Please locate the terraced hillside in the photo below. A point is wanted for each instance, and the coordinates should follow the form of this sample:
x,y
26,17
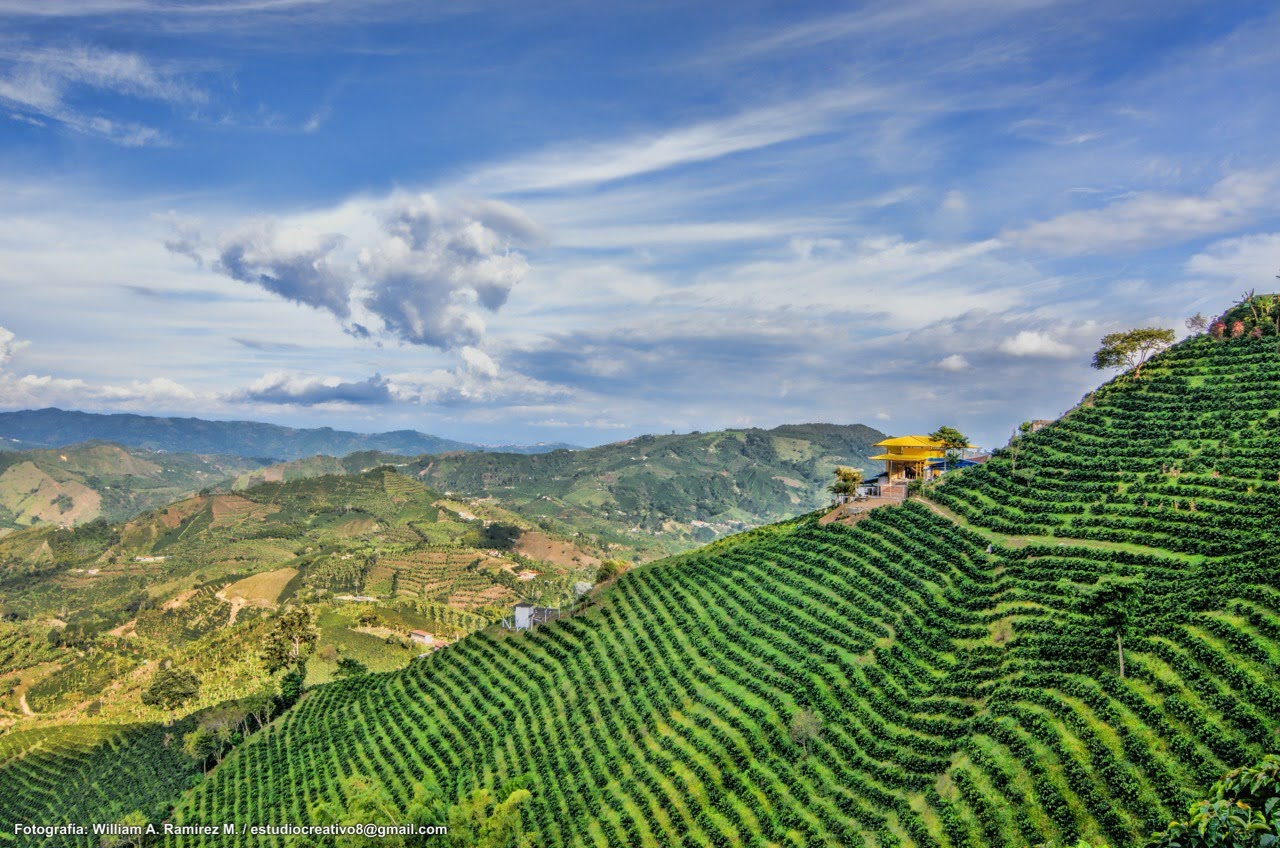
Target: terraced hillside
x,y
1187,458
961,655
966,681
72,774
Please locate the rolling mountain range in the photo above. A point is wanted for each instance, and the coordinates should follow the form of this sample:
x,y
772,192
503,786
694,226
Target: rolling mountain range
x,y
48,428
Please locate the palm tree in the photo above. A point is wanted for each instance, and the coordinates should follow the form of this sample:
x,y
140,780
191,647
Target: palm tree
x,y
847,481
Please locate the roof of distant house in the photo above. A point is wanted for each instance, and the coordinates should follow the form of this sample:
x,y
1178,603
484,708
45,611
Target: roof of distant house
x,y
909,442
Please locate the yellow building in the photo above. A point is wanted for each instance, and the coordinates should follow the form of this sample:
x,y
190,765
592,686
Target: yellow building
x,y
906,457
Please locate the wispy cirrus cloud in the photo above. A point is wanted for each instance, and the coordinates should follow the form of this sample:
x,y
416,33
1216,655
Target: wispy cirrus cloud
x,y
45,84
572,166
1250,260
1147,219
920,20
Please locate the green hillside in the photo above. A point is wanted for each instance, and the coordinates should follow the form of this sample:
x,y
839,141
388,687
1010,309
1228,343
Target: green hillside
x,y
956,661
316,466
86,611
79,483
665,493
968,696
85,764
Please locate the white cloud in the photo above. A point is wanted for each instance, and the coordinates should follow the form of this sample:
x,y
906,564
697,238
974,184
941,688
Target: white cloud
x,y
281,387
34,390
955,203
1035,343
905,284
578,165
478,362
914,20
42,82
406,266
1148,219
478,382
1252,260
9,345
954,362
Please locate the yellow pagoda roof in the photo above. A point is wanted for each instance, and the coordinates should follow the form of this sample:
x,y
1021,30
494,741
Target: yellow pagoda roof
x,y
901,457
908,442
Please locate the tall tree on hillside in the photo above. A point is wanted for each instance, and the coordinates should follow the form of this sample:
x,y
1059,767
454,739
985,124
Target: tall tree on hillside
x,y
953,442
847,481
1015,445
1247,300
1131,349
1273,312
170,688
805,728
1114,605
1197,324
291,640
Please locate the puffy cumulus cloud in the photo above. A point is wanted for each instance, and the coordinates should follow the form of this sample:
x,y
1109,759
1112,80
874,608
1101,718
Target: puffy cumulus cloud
x,y
9,345
954,362
283,388
406,266
1147,219
296,263
478,362
35,390
1035,343
478,381
430,269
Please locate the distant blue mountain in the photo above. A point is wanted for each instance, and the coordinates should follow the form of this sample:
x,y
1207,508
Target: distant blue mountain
x,y
46,428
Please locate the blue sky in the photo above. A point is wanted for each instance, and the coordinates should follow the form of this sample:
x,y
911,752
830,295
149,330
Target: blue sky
x,y
582,221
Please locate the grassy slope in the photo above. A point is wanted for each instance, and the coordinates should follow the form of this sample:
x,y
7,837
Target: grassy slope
x,y
965,700
86,765
82,482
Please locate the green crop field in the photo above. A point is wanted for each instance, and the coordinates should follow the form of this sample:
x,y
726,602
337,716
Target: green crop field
x,y
94,773
965,683
967,697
